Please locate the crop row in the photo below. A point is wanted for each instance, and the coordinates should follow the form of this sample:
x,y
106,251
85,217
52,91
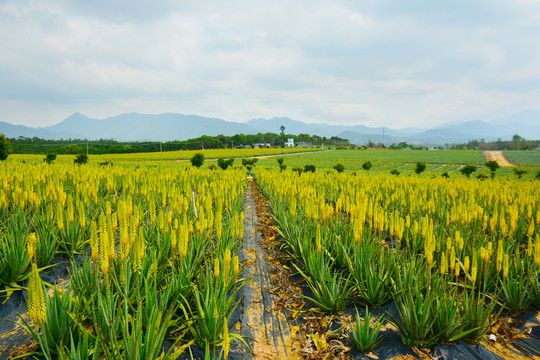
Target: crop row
x,y
447,252
170,155
153,252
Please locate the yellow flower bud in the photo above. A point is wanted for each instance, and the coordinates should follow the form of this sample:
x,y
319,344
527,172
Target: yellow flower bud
x,y
236,266
31,246
36,298
505,266
226,339
466,265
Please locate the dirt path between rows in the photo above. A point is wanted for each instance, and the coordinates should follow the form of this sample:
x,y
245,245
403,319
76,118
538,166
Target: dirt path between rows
x,y
269,329
499,157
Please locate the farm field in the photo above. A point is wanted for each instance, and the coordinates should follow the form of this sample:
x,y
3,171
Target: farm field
x,y
149,255
454,259
384,161
172,155
523,157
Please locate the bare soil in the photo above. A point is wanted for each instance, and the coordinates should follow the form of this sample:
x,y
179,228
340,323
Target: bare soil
x,y
499,157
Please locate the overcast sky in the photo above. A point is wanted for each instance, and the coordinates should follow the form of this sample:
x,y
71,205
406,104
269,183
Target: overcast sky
x,y
377,63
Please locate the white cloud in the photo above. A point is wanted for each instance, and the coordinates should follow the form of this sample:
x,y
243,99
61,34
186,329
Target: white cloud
x,y
382,64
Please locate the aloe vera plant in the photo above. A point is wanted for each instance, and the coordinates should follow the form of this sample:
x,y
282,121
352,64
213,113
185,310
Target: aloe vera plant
x,y
417,316
477,315
61,327
517,286
330,290
47,243
213,304
372,269
362,336
14,259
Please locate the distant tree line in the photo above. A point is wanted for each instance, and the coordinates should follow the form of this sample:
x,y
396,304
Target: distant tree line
x,y
35,145
517,143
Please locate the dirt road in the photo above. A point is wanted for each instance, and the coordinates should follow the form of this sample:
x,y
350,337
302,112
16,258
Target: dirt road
x,y
499,157
261,156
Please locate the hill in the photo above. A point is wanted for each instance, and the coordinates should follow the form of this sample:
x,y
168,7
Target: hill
x,y
171,126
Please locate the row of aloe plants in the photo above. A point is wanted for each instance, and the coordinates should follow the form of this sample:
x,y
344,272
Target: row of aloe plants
x,y
151,269
446,286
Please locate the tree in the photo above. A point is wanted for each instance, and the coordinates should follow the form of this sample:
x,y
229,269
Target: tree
x,y
367,165
519,172
249,163
515,139
280,162
420,167
395,172
224,163
70,149
81,159
5,147
467,170
309,168
492,166
197,160
339,168
282,130
246,162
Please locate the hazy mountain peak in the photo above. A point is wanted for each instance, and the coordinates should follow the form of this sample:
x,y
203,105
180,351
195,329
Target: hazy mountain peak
x,y
173,126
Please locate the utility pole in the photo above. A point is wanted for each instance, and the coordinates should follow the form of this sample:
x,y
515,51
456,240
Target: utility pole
x,y
202,145
160,148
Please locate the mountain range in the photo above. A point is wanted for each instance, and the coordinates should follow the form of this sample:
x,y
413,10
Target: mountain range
x,y
170,126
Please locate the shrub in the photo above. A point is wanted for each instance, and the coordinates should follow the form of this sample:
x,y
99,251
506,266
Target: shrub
x,y
420,167
280,162
339,168
367,165
106,163
519,172
197,160
394,172
224,163
467,170
49,158
5,148
249,163
81,159
309,168
492,166
480,176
